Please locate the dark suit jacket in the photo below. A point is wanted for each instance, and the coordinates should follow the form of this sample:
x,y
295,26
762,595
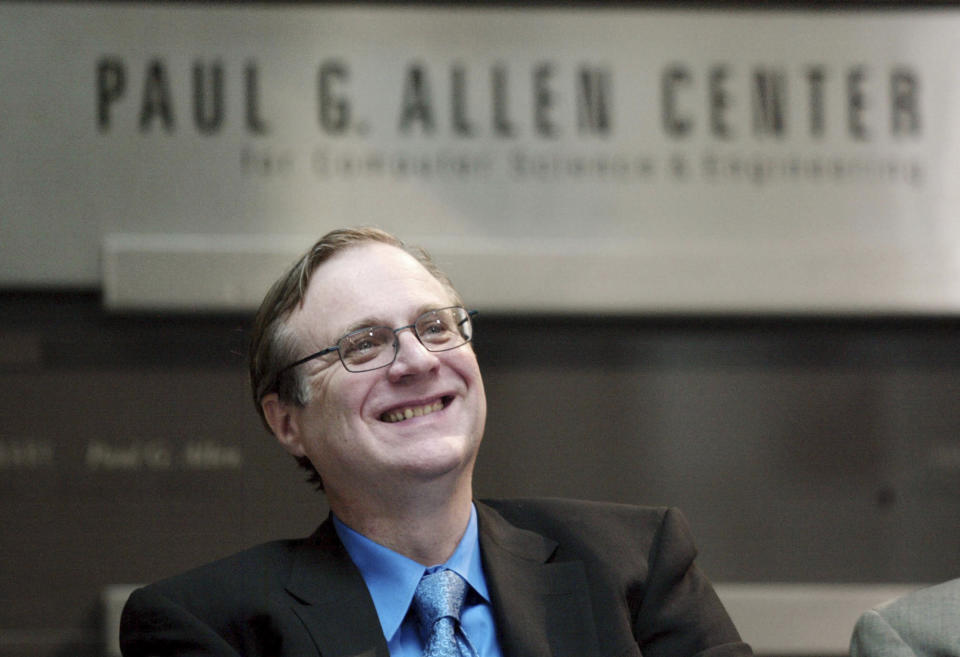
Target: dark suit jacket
x,y
567,579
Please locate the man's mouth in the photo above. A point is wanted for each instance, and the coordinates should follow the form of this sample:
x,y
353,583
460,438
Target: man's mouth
x,y
407,412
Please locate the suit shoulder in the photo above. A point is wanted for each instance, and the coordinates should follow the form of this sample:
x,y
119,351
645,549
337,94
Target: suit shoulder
x,y
922,616
231,606
555,510
260,566
597,529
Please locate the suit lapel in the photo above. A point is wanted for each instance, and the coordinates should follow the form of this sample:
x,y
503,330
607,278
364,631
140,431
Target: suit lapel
x,y
542,609
330,598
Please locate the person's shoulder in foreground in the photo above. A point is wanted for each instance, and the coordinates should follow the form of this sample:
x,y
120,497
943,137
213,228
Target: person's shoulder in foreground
x,y
567,577
925,623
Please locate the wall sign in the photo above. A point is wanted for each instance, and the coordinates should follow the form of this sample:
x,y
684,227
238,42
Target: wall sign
x,y
608,160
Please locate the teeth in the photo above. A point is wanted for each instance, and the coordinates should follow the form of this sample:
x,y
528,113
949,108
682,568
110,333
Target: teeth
x,y
414,411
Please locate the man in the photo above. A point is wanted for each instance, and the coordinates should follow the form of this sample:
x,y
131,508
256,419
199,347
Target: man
x,y
925,623
361,367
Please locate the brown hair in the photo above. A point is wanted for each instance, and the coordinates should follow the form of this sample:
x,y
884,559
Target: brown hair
x,y
272,343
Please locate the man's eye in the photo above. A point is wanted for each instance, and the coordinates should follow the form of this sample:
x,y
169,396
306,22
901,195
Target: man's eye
x,y
363,346
436,332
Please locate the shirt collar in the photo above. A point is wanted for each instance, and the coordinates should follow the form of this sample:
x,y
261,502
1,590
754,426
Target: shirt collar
x,y
392,578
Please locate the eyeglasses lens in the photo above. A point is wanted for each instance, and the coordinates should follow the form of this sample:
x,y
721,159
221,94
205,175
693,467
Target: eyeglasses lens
x,y
443,329
367,349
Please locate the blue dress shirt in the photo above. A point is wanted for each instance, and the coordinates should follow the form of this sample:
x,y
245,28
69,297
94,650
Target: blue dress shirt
x,y
392,579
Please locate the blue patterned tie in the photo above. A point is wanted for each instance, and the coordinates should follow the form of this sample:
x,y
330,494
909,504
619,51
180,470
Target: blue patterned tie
x,y
437,603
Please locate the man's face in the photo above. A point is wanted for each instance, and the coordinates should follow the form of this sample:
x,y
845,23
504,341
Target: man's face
x,y
345,429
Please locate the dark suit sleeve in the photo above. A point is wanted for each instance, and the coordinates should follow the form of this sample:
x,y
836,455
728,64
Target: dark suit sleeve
x,y
680,614
152,625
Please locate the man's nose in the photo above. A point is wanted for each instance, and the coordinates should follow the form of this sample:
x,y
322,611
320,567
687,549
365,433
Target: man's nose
x,y
412,356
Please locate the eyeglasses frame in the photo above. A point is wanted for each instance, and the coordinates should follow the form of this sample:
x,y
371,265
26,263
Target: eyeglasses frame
x,y
396,342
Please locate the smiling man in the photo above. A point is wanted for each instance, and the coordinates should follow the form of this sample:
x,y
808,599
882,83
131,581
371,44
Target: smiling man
x,y
362,368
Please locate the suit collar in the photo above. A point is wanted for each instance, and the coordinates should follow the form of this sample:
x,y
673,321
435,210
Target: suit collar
x,y
331,599
542,607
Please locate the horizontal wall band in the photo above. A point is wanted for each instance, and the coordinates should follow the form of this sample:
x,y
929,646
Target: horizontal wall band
x,y
205,272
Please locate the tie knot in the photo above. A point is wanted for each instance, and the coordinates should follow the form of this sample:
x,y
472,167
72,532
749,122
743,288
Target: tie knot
x,y
439,594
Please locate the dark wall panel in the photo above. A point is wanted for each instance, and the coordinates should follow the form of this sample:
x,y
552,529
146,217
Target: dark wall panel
x,y
800,450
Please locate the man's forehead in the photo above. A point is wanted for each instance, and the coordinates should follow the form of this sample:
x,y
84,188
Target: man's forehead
x,y
364,284
366,267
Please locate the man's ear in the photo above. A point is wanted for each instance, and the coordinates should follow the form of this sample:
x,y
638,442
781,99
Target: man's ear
x,y
284,423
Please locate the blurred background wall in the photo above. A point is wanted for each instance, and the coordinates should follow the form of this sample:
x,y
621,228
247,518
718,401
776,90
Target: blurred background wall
x,y
813,441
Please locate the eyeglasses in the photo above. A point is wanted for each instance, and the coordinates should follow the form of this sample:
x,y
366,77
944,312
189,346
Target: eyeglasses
x,y
376,346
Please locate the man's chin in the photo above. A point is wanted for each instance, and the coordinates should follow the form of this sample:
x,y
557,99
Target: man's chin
x,y
448,463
